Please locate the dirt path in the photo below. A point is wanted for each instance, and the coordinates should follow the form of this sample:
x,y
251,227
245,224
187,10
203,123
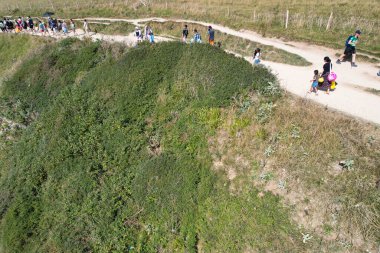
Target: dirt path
x,y
350,97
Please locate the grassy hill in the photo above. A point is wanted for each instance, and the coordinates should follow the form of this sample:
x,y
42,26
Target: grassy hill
x,y
118,157
307,20
176,148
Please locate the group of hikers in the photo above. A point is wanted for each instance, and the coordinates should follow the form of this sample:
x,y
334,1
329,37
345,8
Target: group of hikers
x,y
146,35
54,26
51,25
196,38
326,80
322,80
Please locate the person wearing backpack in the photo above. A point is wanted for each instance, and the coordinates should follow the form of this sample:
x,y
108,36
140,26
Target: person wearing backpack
x,y
138,34
351,42
197,37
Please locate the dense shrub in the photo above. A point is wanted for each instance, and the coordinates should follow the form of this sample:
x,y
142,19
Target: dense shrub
x,y
120,162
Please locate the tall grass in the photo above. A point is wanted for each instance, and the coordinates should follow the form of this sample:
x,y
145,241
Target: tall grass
x,y
308,20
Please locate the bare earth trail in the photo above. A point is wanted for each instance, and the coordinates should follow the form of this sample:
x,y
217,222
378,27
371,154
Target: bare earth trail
x,y
350,96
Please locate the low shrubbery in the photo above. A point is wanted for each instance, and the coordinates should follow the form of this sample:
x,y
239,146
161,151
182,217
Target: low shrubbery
x,y
118,158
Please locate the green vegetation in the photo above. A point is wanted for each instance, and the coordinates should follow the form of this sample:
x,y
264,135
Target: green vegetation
x,y
176,148
122,28
14,50
117,158
307,19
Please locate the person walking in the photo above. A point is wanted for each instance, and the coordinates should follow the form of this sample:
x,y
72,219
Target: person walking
x,y
64,28
256,56
2,26
151,37
55,25
197,37
138,34
327,67
5,23
72,25
30,24
350,48
86,27
185,33
314,82
147,31
211,35
41,27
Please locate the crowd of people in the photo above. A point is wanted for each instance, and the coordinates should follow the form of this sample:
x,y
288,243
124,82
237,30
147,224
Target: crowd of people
x,y
322,80
197,38
45,27
51,26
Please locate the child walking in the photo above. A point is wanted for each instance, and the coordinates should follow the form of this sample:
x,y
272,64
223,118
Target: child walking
x,y
314,83
256,56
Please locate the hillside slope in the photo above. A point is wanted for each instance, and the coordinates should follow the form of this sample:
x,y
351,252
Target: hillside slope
x,y
176,148
118,157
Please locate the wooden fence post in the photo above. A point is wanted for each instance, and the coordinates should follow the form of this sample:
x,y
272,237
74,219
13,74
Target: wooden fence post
x,y
329,22
254,15
52,6
287,19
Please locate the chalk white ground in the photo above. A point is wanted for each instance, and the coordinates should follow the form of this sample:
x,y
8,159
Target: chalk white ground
x,y
351,96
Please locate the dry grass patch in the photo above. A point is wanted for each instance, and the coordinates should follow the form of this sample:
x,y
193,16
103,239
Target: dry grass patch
x,y
295,153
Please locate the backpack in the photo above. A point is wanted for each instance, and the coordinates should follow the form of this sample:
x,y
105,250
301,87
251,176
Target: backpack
x,y
348,40
198,37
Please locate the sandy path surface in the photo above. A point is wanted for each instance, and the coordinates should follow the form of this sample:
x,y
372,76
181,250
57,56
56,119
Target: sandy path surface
x,y
351,96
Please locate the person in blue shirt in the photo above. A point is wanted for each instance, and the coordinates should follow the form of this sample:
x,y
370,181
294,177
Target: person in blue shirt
x,y
211,35
197,37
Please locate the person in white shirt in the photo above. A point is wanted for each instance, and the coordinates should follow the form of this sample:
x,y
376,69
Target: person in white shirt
x,y
256,56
